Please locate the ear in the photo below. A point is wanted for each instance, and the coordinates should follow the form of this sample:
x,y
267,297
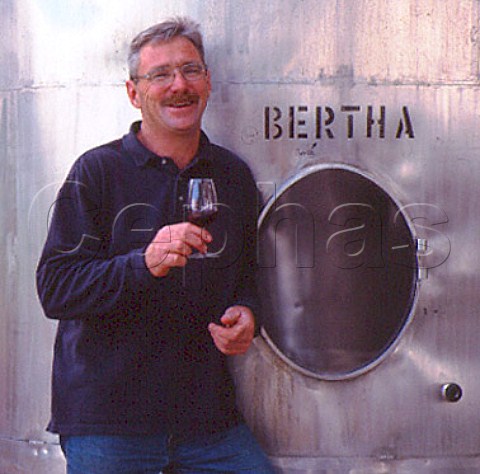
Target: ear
x,y
209,82
133,94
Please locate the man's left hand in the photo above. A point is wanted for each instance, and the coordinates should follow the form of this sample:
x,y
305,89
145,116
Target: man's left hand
x,y
235,334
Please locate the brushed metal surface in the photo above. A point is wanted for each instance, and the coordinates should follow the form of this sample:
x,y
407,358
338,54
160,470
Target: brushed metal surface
x,y
389,87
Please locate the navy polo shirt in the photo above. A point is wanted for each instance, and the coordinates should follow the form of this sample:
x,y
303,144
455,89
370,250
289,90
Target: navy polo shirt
x,y
132,353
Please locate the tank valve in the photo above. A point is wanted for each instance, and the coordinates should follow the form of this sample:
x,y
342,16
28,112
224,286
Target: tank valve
x,y
422,251
451,392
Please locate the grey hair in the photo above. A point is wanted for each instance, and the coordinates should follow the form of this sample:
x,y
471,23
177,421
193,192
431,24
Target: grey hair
x,y
163,32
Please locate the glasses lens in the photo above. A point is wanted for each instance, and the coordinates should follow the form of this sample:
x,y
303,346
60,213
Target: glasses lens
x,y
161,77
192,71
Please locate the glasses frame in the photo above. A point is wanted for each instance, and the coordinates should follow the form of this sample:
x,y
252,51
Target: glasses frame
x,y
170,73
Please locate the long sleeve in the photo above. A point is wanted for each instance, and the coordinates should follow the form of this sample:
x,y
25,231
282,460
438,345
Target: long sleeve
x,y
78,275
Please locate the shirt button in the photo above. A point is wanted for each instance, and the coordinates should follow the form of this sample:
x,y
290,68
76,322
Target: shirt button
x,y
164,161
180,198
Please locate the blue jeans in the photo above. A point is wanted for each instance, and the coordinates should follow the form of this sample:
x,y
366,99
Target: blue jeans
x,y
232,451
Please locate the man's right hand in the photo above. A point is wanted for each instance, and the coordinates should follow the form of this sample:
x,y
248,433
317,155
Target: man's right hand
x,y
172,245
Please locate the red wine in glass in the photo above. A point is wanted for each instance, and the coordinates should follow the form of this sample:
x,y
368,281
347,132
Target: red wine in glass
x,y
202,205
203,217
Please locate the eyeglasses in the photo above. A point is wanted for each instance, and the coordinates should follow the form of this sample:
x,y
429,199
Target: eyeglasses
x,y
165,75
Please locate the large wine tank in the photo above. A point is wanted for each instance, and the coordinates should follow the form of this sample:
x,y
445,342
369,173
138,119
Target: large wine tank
x,y
360,122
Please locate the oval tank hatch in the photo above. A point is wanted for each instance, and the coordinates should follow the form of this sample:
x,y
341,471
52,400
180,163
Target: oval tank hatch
x,y
338,272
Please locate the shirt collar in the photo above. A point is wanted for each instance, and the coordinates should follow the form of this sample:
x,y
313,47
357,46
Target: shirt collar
x,y
143,156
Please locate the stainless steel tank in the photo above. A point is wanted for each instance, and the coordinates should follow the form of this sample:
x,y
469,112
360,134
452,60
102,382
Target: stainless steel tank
x,y
359,120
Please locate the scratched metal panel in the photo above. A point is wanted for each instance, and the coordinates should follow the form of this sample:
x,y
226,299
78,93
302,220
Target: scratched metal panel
x,y
389,87
422,146
420,137
38,145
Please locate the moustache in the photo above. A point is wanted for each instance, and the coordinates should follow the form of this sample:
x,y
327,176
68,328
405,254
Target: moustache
x,y
181,99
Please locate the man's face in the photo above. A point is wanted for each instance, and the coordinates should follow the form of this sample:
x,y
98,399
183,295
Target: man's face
x,y
170,108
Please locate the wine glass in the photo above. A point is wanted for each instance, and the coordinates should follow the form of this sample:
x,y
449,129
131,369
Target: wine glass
x,y
202,206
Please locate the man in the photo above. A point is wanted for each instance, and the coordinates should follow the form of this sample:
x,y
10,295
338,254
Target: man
x,y
140,378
